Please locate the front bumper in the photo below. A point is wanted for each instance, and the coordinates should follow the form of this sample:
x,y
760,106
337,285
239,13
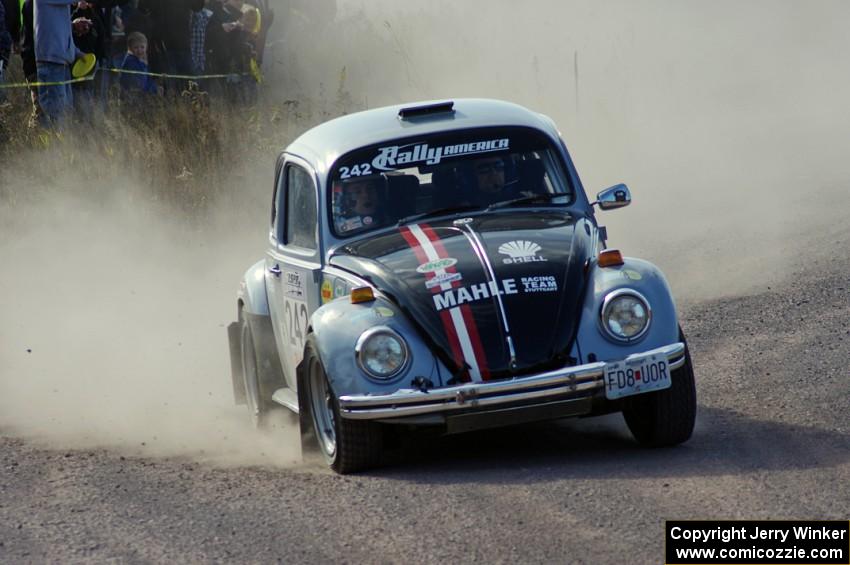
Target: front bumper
x,y
570,383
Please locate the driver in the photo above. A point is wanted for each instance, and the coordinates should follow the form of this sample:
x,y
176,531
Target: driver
x,y
359,204
490,175
490,178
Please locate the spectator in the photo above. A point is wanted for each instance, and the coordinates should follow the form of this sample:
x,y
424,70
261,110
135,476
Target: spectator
x,y
89,37
136,60
89,29
116,20
106,9
139,19
225,38
11,19
200,20
251,21
228,46
28,59
5,47
170,39
54,54
266,20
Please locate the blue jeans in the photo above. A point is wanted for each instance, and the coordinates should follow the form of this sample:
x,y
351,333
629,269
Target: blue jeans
x,y
57,100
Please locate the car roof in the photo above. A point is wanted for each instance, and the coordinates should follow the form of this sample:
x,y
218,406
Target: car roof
x,y
325,143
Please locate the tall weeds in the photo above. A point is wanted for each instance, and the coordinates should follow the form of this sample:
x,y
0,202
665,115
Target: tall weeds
x,y
184,150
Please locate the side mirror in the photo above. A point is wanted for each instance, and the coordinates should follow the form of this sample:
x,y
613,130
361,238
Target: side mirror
x,y
615,197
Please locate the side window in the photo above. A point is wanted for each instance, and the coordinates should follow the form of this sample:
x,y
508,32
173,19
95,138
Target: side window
x,y
300,208
278,203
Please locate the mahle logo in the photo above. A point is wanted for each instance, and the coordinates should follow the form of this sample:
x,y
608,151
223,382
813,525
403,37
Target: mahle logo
x,y
437,265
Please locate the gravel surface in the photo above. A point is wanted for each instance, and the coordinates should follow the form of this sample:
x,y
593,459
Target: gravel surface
x,y
772,442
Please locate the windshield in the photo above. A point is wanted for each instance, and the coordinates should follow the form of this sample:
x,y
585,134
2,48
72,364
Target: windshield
x,y
397,182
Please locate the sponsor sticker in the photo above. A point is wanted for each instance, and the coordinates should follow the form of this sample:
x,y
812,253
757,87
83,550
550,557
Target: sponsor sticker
x,y
394,156
437,265
442,278
473,293
632,274
293,285
327,291
520,251
351,224
340,288
546,283
383,312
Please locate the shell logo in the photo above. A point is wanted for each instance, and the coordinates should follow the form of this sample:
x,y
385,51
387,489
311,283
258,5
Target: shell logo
x,y
520,251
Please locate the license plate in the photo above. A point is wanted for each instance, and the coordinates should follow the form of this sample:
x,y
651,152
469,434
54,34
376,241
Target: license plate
x,y
636,375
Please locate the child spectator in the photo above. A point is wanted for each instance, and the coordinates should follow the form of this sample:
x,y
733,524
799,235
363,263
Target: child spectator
x,y
136,59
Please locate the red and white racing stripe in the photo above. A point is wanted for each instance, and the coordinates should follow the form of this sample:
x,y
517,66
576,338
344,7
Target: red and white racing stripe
x,y
461,330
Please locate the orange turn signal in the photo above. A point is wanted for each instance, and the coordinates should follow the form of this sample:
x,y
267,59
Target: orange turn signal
x,y
610,258
362,294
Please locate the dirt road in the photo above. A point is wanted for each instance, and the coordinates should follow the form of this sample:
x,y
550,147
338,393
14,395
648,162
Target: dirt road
x,y
772,441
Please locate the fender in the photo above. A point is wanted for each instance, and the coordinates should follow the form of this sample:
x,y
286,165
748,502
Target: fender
x,y
638,275
337,326
253,307
252,290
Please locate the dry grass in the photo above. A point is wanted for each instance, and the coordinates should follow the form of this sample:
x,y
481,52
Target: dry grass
x,y
182,150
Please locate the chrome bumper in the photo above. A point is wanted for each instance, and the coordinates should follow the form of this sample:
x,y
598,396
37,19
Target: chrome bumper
x,y
570,382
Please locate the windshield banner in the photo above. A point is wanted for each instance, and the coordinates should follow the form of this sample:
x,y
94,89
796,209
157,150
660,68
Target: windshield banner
x,y
390,158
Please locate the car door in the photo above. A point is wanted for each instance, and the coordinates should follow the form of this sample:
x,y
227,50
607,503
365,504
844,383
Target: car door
x,y
293,264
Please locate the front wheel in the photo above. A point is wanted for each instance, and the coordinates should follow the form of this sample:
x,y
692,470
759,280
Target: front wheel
x,y
347,445
666,417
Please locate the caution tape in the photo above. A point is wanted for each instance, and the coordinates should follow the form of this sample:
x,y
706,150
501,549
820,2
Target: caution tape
x,y
122,71
165,75
59,83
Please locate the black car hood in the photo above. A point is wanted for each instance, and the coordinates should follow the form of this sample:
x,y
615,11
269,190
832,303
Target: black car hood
x,y
470,284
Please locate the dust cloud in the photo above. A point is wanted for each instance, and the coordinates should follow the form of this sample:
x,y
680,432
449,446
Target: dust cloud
x,y
727,119
113,328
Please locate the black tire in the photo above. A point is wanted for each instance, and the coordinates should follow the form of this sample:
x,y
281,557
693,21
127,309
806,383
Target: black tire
x,y
347,445
666,417
257,399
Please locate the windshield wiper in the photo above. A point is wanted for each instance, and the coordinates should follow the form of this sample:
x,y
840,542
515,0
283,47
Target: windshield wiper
x,y
543,197
438,212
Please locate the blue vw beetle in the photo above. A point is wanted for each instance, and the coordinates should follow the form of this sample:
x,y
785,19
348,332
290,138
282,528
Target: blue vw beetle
x,y
439,264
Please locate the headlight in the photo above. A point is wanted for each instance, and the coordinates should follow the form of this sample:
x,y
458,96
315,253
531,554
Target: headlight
x,y
625,315
381,352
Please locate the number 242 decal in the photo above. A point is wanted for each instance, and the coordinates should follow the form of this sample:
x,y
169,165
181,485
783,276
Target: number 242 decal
x,y
355,171
296,322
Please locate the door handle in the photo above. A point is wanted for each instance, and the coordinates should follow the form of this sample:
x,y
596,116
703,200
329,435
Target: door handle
x,y
275,270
